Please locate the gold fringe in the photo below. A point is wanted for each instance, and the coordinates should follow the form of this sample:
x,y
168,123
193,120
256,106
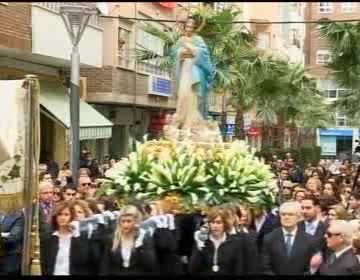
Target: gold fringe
x,y
9,202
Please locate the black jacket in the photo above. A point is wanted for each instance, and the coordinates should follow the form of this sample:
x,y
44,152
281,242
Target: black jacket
x,y
142,260
272,222
250,254
166,252
230,258
346,264
10,260
274,258
82,259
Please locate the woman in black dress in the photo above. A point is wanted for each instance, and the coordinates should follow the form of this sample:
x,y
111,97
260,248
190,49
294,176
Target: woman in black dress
x,y
65,251
130,251
218,252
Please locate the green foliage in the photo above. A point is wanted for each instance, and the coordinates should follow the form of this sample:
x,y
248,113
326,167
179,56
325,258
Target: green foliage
x,y
210,174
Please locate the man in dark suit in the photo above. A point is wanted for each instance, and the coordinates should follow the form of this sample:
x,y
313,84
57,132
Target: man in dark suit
x,y
312,224
264,222
12,231
342,261
287,250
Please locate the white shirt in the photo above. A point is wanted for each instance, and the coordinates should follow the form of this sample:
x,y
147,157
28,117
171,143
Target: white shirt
x,y
126,247
314,225
339,253
259,222
217,242
293,233
62,262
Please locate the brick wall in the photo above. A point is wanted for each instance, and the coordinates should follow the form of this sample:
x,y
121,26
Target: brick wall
x,y
98,79
15,25
313,42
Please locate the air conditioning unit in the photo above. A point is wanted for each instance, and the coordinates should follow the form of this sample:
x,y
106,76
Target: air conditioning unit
x,y
159,86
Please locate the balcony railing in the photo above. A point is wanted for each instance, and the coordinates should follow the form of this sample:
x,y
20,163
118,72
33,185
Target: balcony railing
x,y
55,7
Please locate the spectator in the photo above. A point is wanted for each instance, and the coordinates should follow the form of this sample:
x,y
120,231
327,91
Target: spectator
x,y
313,185
69,193
295,173
331,189
46,200
337,212
299,195
84,186
342,261
45,177
12,231
354,203
287,250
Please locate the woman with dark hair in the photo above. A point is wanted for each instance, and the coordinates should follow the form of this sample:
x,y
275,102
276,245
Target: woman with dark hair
x,y
330,189
130,251
65,252
217,252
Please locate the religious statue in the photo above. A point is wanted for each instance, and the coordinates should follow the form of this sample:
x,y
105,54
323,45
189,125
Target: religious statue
x,y
194,73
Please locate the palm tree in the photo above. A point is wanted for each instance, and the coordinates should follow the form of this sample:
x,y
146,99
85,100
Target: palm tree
x,y
344,43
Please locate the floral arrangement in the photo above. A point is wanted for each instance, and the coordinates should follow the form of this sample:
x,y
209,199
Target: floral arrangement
x,y
197,173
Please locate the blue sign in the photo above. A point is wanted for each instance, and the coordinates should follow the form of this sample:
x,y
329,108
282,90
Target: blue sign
x,y
230,129
336,132
160,87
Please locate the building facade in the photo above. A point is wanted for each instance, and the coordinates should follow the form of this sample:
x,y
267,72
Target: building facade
x,y
34,40
338,141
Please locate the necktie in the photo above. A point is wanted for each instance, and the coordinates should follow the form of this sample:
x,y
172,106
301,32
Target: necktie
x,y
331,259
288,244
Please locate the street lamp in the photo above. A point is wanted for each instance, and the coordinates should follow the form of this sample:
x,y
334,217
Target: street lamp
x,y
76,18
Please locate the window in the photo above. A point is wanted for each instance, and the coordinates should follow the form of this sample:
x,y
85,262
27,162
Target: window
x,y
323,57
348,7
330,93
263,40
340,119
219,6
325,7
124,48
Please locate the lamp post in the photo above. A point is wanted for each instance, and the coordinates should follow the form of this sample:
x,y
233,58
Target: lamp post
x,y
76,18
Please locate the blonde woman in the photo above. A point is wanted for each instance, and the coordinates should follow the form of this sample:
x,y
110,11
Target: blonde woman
x,y
313,185
130,251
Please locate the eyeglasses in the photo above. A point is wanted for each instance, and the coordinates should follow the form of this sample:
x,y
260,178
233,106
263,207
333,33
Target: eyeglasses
x,y
86,184
329,234
57,193
287,188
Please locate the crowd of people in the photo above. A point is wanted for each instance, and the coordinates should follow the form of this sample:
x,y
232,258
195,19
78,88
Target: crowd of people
x,y
313,228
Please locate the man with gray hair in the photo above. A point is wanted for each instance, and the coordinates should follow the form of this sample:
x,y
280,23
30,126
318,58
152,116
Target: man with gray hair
x,y
287,250
339,240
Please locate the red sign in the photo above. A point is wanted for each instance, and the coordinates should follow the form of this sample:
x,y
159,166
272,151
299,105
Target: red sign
x,y
158,120
169,5
254,131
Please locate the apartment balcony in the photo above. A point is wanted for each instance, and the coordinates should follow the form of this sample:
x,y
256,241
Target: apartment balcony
x,y
51,41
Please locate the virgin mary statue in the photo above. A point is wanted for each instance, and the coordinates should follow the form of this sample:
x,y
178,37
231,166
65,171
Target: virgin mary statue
x,y
194,73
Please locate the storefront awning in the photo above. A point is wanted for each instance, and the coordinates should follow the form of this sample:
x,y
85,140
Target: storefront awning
x,y
55,99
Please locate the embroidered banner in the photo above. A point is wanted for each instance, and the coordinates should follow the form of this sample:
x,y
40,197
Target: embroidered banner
x,y
12,144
